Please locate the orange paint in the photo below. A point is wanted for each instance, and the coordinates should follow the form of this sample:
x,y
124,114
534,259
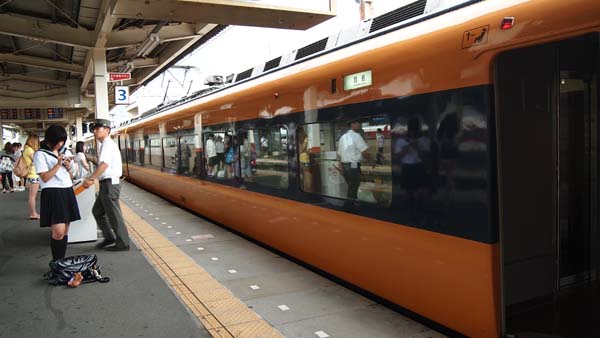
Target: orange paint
x,y
450,280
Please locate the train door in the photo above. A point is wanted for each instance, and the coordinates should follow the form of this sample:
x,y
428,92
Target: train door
x,y
547,133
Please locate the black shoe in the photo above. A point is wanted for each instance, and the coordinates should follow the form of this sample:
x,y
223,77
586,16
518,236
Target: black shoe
x,y
117,248
105,243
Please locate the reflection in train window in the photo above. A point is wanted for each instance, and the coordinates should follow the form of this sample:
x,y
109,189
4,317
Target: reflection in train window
x,y
263,156
170,152
137,154
131,155
146,150
186,155
155,153
214,152
347,159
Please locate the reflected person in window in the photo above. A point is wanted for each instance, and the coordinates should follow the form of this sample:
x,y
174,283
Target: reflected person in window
x,y
412,149
304,159
352,148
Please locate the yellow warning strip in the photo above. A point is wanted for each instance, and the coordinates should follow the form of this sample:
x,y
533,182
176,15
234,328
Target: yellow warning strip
x,y
221,313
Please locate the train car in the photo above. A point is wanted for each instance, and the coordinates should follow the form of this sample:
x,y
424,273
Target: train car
x,y
478,214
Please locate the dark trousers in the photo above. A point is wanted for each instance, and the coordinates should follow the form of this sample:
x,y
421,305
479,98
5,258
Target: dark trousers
x,y
7,180
352,177
107,212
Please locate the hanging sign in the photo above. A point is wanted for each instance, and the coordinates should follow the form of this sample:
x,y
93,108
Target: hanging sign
x,y
358,80
114,77
121,95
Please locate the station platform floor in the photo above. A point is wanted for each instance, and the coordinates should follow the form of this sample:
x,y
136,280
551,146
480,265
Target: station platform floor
x,y
183,277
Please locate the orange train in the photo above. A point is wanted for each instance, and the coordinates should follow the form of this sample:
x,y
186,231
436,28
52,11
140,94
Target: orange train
x,y
453,215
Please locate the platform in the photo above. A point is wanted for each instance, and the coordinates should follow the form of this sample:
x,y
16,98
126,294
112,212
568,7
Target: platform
x,y
184,277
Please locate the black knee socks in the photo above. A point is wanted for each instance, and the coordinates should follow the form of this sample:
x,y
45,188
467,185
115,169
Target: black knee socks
x,y
58,247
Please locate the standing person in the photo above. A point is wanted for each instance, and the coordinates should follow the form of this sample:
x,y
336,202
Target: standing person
x,y
351,149
380,144
83,167
7,165
18,154
106,209
186,154
264,146
412,150
31,146
304,159
211,154
58,205
220,147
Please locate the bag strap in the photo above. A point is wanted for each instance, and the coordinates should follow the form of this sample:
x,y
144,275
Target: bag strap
x,y
98,277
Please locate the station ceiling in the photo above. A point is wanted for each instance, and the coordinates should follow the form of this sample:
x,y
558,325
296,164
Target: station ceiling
x,y
46,45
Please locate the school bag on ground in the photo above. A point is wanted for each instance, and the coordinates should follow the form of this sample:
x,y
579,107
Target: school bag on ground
x,y
21,170
63,270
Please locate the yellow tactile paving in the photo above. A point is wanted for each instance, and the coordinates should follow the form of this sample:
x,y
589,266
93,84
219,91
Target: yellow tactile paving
x,y
221,313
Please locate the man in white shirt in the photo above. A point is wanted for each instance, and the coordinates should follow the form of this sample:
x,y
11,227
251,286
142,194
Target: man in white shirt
x,y
107,210
211,154
351,150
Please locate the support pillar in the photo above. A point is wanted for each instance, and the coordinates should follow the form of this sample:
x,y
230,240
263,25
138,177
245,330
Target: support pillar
x,y
100,80
162,129
199,159
198,132
79,128
2,134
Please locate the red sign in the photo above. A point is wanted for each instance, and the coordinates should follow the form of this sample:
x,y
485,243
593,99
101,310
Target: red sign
x,y
112,77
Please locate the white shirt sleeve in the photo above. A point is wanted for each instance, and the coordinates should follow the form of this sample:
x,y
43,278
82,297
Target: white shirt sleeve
x,y
40,162
105,153
360,143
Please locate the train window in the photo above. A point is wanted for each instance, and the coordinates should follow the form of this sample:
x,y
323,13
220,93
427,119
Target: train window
x,y
155,153
220,156
170,152
131,153
264,156
122,146
138,147
332,164
186,156
214,149
146,150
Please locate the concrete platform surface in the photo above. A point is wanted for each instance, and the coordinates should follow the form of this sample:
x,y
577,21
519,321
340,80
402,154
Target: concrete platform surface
x,y
135,303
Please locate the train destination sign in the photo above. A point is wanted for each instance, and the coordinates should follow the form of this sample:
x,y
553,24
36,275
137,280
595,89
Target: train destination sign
x,y
358,80
114,77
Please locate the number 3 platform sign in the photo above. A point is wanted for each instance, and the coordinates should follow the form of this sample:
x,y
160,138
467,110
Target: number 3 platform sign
x,y
121,95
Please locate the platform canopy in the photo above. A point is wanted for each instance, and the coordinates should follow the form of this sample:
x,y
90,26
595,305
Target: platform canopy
x,y
46,45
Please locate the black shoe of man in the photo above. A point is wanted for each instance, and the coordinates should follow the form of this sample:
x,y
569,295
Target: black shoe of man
x,y
105,243
117,248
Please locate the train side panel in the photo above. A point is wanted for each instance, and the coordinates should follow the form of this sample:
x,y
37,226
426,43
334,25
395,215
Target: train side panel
x,y
446,279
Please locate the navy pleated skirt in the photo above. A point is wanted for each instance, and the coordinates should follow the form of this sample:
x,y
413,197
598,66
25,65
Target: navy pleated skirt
x,y
58,205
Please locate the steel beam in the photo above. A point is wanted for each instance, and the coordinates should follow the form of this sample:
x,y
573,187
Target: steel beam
x,y
33,94
58,101
224,12
173,50
45,31
40,62
104,26
137,63
133,36
32,79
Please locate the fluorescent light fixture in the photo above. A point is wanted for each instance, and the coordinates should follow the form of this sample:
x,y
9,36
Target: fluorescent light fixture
x,y
148,45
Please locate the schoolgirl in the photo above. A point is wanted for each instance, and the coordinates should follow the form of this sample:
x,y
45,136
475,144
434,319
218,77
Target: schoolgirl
x,y
58,206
